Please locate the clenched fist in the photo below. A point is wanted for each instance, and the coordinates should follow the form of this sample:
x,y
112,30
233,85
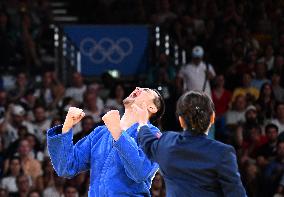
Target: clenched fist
x,y
112,122
74,115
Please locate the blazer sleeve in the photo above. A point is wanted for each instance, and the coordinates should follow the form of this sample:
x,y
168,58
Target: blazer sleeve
x,y
137,166
149,142
229,175
68,159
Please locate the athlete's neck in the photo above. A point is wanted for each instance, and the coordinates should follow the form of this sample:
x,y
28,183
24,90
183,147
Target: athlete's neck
x,y
128,119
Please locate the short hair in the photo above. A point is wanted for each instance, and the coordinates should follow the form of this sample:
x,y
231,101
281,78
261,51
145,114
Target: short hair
x,y
271,126
160,104
196,109
278,104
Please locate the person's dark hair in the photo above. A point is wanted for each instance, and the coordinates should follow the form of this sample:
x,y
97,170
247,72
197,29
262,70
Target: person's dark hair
x,y
20,176
160,104
271,126
68,185
34,191
55,119
261,92
37,146
113,90
278,104
38,105
196,109
10,160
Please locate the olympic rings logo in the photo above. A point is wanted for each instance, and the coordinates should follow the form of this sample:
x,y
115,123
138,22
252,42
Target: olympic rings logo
x,y
106,49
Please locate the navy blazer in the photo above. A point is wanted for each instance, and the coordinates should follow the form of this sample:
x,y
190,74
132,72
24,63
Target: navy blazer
x,y
193,166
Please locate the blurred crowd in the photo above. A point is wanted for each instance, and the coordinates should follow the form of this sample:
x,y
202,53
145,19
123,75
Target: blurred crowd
x,y
25,35
236,51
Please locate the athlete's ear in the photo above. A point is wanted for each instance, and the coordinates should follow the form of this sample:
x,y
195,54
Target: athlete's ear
x,y
212,118
182,122
152,109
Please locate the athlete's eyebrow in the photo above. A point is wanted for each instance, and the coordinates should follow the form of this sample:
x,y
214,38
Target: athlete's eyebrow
x,y
147,89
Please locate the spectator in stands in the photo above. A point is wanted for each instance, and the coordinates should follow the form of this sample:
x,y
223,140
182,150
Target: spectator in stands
x,y
268,150
158,186
77,89
23,185
242,131
197,74
9,180
8,45
246,89
253,142
93,105
114,102
2,156
221,98
252,179
29,101
279,118
14,120
47,179
260,75
265,103
55,190
20,88
278,64
41,123
4,192
70,191
274,171
56,121
81,182
35,145
87,125
279,67
12,148
31,167
51,90
34,193
268,58
237,113
3,102
277,89
164,14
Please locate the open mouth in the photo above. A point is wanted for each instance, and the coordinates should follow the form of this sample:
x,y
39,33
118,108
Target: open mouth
x,y
135,94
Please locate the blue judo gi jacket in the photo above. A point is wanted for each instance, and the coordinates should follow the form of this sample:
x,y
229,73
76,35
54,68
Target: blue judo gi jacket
x,y
117,168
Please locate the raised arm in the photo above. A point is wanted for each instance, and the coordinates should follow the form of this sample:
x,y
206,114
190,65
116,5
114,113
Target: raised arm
x,y
68,159
147,139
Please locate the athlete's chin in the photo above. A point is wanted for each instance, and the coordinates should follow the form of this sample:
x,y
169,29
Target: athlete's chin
x,y
128,101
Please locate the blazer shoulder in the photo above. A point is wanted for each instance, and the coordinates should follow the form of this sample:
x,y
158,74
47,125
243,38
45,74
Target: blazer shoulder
x,y
222,146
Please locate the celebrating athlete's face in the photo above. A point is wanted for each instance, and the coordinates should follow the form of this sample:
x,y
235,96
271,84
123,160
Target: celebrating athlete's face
x,y
140,96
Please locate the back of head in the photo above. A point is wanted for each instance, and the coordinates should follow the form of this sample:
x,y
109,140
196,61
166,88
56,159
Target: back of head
x,y
196,109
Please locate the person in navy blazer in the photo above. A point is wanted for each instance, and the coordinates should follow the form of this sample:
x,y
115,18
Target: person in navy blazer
x,y
192,165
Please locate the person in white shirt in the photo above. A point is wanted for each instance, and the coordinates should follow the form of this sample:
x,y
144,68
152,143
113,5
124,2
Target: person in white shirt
x,y
279,120
41,122
197,74
15,118
15,169
237,113
78,88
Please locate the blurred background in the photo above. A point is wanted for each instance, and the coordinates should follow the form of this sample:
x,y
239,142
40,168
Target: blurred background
x,y
91,54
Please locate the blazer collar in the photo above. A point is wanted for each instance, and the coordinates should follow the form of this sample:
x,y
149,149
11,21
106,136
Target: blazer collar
x,y
189,133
